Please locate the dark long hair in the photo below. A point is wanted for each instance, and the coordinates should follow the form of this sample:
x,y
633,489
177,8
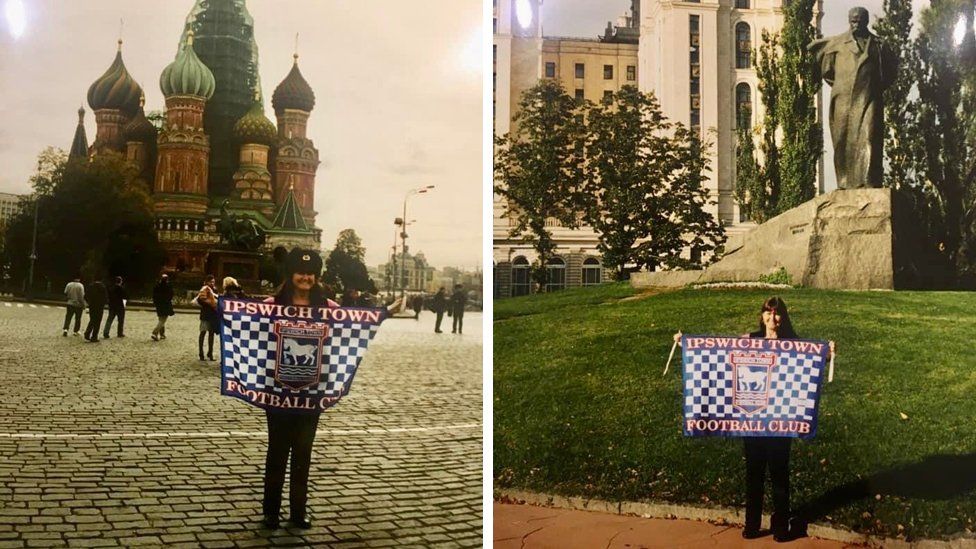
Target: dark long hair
x,y
285,294
777,305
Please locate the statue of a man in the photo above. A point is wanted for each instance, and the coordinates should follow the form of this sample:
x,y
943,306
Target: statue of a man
x,y
858,68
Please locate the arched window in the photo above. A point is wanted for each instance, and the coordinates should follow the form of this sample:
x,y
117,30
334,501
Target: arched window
x,y
742,4
592,272
743,46
520,277
556,275
743,106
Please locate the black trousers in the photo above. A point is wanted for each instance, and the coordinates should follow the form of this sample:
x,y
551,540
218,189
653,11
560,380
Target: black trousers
x,y
772,453
112,315
288,433
94,321
458,323
440,317
73,311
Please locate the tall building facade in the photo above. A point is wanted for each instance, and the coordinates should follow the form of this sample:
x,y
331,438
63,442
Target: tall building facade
x,y
216,153
10,206
696,56
587,69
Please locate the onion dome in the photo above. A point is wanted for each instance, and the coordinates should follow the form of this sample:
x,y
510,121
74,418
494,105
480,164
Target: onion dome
x,y
254,126
187,75
293,92
115,89
140,128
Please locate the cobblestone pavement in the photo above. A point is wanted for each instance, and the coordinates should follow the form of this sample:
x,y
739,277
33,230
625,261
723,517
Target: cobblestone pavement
x,y
128,442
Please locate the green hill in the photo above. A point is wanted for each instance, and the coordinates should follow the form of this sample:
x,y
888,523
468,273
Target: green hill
x,y
581,407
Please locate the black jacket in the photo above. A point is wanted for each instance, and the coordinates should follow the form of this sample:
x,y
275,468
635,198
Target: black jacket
x,y
97,296
163,299
117,297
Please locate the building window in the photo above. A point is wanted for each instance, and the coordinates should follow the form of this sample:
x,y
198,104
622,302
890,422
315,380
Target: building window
x,y
592,272
520,277
580,70
556,275
579,94
743,46
550,69
631,73
608,72
743,105
607,96
494,25
694,63
742,4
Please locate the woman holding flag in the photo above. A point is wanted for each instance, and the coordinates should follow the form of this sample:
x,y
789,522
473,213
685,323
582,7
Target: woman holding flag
x,y
772,453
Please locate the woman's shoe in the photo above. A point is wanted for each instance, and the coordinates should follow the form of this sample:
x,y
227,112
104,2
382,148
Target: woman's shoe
x,y
749,533
271,522
302,523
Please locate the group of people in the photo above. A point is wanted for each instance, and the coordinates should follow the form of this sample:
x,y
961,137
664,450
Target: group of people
x,y
441,303
97,298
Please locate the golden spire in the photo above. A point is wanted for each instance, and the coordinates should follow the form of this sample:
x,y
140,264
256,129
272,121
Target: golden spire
x,y
189,37
296,49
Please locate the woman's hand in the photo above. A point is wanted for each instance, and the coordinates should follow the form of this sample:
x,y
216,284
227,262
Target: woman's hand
x,y
832,347
677,338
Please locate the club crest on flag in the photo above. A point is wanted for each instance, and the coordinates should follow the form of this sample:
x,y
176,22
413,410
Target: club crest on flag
x,y
299,359
752,376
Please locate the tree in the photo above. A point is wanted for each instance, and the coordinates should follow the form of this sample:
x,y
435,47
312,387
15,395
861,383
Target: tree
x,y
902,150
539,168
792,138
750,189
345,268
644,183
944,128
799,84
92,220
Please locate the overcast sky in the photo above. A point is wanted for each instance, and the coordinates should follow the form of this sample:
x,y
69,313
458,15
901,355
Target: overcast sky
x,y
588,18
398,92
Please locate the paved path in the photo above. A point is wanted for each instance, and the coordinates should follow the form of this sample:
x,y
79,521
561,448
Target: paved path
x,y
128,442
531,527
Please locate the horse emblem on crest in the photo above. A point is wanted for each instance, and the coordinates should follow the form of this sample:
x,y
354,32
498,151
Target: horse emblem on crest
x,y
751,371
299,360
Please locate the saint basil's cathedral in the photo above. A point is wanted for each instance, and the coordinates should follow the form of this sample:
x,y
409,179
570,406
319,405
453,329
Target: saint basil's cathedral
x,y
216,155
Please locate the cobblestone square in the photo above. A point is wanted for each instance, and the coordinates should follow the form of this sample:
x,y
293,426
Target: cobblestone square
x,y
128,442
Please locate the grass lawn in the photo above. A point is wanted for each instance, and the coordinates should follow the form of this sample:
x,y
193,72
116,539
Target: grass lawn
x,y
581,407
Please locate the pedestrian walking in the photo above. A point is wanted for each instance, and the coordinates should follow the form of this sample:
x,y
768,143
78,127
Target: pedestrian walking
x,y
97,299
459,300
439,306
209,317
163,302
75,292
117,297
417,303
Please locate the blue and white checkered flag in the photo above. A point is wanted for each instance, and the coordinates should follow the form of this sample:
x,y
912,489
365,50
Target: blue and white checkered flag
x,y
295,358
752,387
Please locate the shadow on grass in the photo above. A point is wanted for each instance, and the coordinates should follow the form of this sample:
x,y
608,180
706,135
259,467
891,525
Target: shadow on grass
x,y
937,477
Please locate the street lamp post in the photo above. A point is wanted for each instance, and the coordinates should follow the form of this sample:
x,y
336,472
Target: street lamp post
x,y
33,254
403,238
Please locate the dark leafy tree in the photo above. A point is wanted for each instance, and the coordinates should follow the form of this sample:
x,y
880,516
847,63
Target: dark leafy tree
x,y
750,189
539,169
645,186
345,268
91,220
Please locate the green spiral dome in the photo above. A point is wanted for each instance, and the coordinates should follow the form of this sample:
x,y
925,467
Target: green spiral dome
x,y
187,75
254,127
115,89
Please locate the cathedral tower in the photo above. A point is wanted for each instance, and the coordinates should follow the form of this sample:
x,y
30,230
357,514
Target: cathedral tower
x,y
115,98
298,159
223,33
252,180
79,145
184,147
140,145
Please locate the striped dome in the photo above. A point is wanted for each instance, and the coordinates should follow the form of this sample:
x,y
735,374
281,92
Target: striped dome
x,y
115,89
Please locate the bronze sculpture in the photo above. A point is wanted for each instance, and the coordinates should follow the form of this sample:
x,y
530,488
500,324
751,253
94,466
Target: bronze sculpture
x,y
239,231
858,68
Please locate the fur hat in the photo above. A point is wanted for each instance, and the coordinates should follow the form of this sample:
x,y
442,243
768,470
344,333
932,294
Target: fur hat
x,y
303,261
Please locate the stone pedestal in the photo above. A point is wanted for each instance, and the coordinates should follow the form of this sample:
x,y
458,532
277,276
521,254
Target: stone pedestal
x,y
244,266
845,239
